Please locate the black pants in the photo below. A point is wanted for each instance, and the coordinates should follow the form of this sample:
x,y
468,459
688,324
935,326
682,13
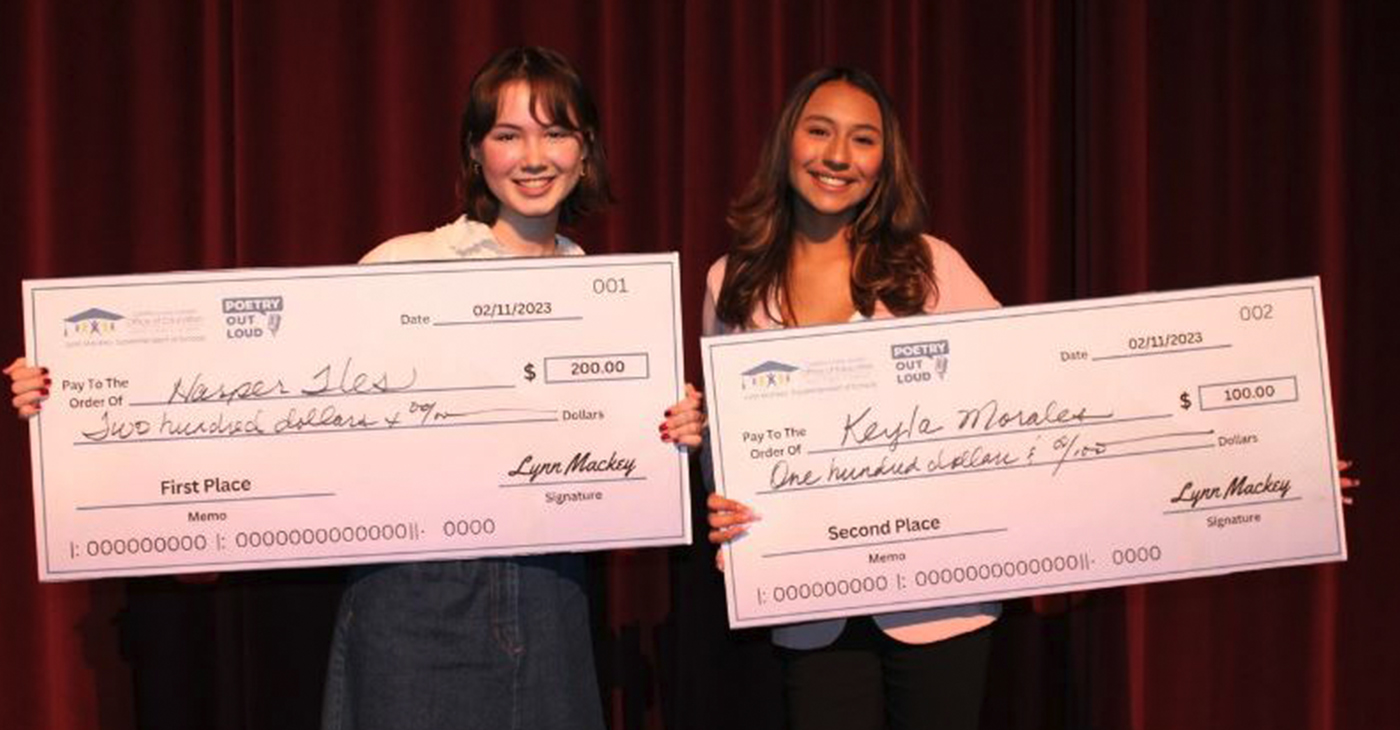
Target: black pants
x,y
867,681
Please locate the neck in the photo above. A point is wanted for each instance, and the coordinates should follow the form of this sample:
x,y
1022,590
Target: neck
x,y
814,228
526,236
817,283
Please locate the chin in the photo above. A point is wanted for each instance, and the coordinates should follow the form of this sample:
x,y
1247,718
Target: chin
x,y
535,208
835,207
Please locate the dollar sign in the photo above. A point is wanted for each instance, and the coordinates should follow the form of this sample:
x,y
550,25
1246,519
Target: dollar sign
x,y
530,372
1185,401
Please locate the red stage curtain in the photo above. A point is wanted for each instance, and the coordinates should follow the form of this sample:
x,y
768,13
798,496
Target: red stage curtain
x,y
1072,148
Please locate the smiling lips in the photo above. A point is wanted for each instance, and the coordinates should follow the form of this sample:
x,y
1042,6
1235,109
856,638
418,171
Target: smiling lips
x,y
831,182
534,186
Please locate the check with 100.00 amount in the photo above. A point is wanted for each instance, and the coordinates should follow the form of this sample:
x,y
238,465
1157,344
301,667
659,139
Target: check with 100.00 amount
x,y
279,418
944,460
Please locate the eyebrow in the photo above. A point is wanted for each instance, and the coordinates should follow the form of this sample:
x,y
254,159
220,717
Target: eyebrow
x,y
832,122
521,128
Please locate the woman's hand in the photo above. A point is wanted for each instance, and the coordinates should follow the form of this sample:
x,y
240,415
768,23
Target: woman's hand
x,y
29,385
728,520
1343,465
685,421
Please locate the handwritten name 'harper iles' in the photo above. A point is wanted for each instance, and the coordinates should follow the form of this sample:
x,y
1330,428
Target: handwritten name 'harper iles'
x,y
332,380
581,463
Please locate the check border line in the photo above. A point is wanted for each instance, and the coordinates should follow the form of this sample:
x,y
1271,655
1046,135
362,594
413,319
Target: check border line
x,y
448,267
669,262
950,319
715,349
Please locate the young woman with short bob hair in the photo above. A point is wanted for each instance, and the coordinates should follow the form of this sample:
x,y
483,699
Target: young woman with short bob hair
x,y
489,643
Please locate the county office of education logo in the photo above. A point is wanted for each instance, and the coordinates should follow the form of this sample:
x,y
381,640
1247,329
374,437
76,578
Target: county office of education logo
x,y
91,324
94,327
919,362
252,317
769,376
774,379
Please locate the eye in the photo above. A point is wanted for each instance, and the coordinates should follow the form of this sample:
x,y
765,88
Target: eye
x,y
817,131
867,140
505,135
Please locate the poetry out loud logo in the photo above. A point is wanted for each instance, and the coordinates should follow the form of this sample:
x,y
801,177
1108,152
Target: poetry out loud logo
x,y
918,362
91,324
252,317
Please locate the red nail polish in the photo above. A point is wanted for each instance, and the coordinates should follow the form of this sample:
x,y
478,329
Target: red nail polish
x,y
44,392
45,371
668,412
38,406
48,382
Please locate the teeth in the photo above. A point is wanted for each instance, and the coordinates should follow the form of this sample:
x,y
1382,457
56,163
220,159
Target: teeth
x,y
829,180
534,183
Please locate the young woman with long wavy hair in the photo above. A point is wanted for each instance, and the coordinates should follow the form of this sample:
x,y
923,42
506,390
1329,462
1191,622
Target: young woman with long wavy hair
x,y
831,229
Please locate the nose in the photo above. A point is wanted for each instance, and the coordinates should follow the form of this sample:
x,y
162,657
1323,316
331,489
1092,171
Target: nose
x,y
533,161
836,156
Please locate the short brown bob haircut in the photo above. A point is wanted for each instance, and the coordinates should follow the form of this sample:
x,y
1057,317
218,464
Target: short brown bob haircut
x,y
557,96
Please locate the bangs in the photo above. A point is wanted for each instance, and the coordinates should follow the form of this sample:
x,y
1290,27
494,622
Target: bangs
x,y
550,102
557,98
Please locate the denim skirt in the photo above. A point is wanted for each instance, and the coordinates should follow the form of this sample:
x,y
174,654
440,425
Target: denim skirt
x,y
498,643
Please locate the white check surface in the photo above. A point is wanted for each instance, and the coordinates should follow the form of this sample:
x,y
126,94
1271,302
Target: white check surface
x,y
909,463
278,418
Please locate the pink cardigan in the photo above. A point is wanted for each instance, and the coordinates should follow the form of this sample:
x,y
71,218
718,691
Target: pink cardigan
x,y
959,288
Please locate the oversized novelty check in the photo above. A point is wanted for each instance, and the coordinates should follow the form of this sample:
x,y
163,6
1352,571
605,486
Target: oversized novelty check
x,y
277,418
929,461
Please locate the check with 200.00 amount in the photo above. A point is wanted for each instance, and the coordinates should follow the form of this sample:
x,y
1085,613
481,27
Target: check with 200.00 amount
x,y
278,418
943,460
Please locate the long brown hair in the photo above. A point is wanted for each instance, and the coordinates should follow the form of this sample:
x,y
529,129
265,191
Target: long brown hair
x,y
891,263
557,92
